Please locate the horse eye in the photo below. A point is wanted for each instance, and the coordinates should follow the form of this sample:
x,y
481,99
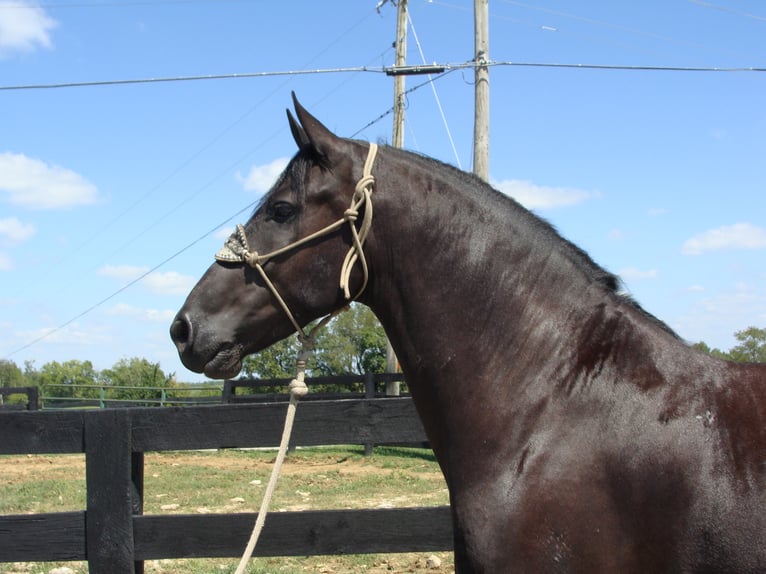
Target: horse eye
x,y
281,211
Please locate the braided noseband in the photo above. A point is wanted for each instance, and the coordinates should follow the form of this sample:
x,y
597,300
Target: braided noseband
x,y
237,250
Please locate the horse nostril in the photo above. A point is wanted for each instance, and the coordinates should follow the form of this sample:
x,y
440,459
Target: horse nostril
x,y
181,332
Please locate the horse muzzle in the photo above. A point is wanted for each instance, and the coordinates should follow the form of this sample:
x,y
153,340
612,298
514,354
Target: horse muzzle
x,y
215,360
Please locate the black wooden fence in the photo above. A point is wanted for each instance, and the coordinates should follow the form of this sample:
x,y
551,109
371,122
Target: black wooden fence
x,y
114,536
30,404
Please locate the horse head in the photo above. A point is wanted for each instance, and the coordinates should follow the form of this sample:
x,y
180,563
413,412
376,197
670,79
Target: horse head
x,y
281,270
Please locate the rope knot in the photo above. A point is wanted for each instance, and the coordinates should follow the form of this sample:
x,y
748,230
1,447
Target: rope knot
x,y
298,388
365,182
351,214
251,258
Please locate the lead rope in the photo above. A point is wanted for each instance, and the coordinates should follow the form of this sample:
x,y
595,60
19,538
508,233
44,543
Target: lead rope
x,y
236,249
298,389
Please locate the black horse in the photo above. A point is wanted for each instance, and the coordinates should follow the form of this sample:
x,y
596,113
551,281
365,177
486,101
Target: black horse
x,y
576,432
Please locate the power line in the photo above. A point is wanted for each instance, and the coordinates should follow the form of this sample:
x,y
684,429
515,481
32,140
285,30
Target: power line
x,y
729,10
626,68
380,70
188,78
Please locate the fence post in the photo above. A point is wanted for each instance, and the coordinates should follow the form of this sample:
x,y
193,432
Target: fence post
x,y
111,492
369,386
228,391
33,399
369,393
137,489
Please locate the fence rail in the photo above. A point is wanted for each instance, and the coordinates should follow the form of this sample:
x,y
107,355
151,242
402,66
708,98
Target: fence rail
x,y
106,396
233,392
370,383
114,536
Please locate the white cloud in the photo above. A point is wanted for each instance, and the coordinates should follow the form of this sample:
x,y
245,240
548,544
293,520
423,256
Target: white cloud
x,y
148,315
168,283
737,236
24,26
262,177
631,273
34,184
533,196
14,231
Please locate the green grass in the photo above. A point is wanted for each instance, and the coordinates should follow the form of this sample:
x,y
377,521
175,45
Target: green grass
x,y
233,481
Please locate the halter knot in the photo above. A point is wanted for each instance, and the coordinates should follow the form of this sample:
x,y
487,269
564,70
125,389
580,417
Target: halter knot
x,y
350,214
298,388
365,182
251,258
237,250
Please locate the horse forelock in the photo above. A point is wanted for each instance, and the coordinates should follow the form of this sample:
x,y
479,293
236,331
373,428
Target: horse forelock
x,y
296,168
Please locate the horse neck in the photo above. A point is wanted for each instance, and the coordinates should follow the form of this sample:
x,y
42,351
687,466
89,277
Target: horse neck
x,y
461,271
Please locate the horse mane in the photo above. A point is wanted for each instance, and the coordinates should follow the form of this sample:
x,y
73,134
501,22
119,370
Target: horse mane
x,y
484,192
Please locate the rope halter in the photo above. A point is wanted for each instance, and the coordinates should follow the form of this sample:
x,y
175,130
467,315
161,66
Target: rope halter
x,y
237,250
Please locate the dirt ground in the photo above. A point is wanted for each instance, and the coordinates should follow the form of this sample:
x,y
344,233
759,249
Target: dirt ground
x,y
21,469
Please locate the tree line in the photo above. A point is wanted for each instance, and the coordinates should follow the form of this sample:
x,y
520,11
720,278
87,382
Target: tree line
x,y
132,379
751,347
353,343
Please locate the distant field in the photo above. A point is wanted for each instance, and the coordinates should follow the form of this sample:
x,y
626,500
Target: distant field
x,y
233,481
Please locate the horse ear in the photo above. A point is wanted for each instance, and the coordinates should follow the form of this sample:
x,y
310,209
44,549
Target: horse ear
x,y
300,137
322,140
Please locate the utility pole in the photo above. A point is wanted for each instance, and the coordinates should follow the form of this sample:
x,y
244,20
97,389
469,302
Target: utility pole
x,y
481,89
392,389
400,61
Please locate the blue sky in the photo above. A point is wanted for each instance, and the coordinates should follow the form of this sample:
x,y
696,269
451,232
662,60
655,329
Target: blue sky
x,y
659,175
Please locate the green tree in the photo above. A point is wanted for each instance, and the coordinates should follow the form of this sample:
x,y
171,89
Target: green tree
x,y
352,343
274,362
31,374
10,374
137,378
705,348
751,347
66,379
